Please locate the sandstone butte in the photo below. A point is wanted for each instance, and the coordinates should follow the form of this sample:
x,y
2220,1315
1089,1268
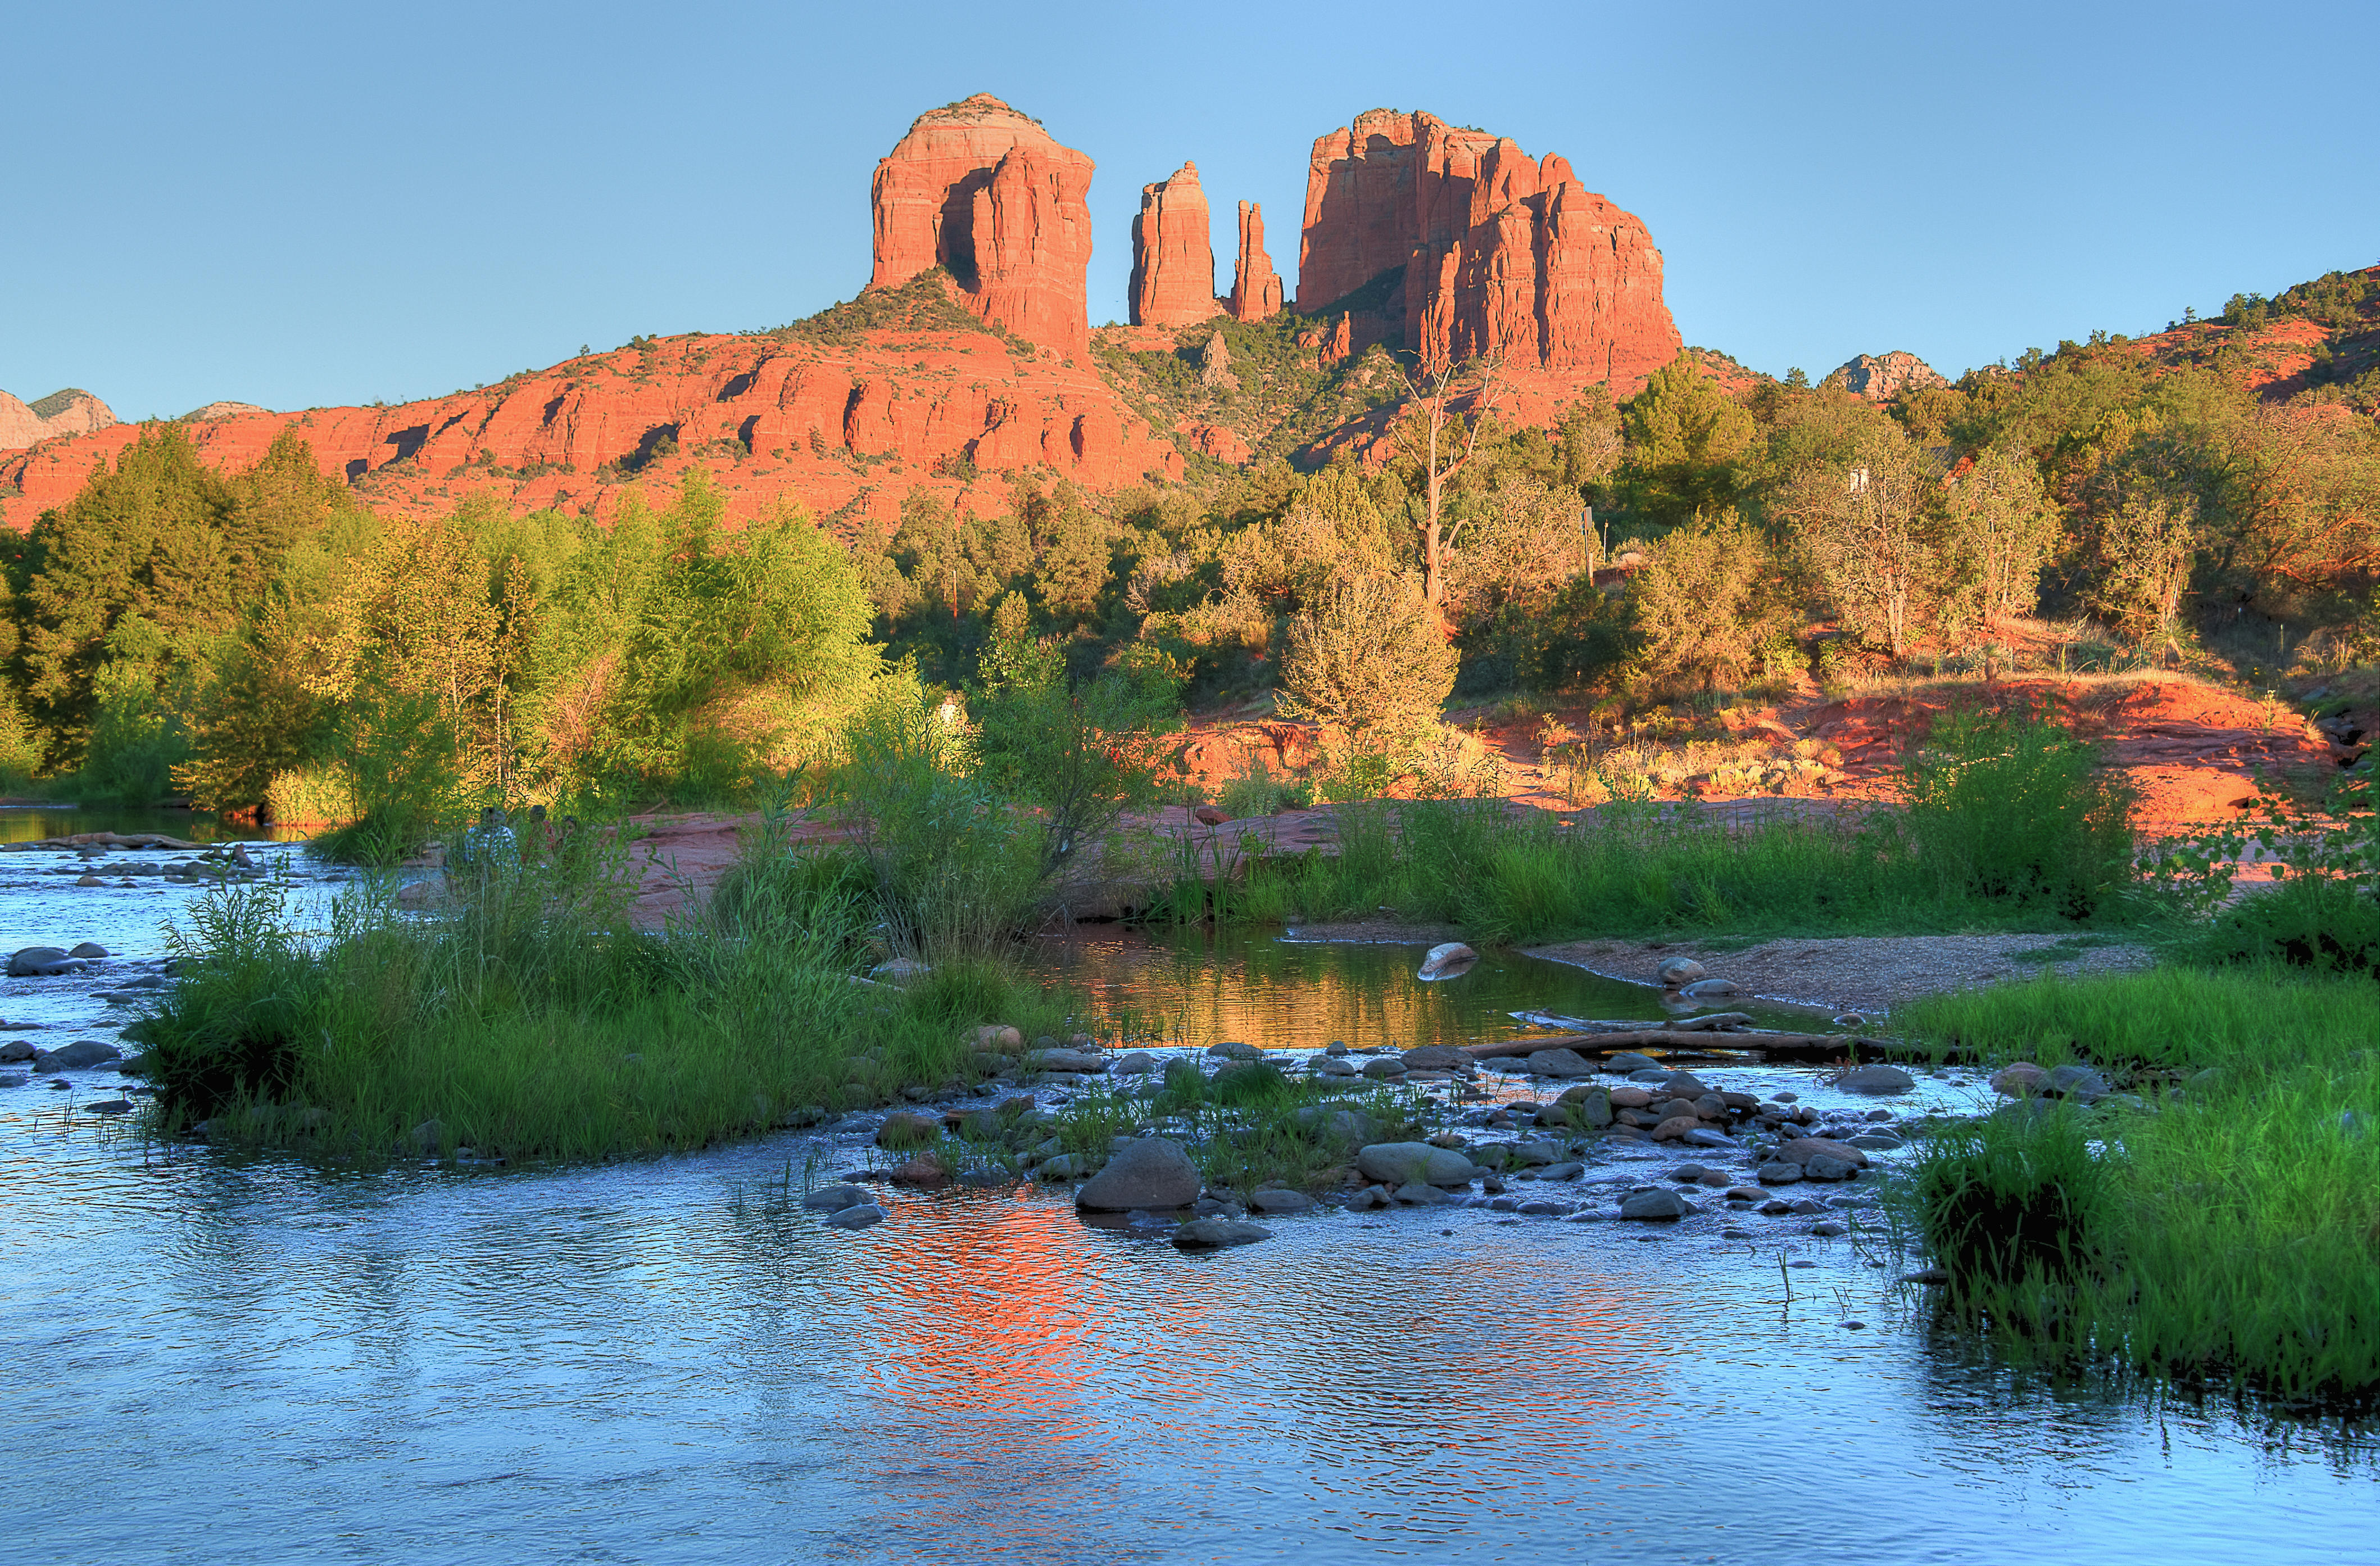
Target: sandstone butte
x,y
1256,287
1478,249
1881,377
983,191
1172,253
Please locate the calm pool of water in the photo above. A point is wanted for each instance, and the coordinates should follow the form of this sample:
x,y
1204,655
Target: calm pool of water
x,y
209,1359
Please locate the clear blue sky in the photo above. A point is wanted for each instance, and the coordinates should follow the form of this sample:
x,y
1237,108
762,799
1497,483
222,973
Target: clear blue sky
x,y
308,204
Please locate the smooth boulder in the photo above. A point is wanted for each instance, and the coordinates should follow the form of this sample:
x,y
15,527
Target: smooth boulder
x,y
1279,1201
859,1214
1398,1163
76,1056
1077,1063
39,962
834,1198
1710,990
1152,1173
1801,1150
1446,960
1436,1057
1878,1080
1559,1063
1655,1206
1678,972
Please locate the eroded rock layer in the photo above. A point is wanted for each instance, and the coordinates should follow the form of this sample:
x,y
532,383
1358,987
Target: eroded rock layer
x,y
982,190
1459,243
1172,254
71,412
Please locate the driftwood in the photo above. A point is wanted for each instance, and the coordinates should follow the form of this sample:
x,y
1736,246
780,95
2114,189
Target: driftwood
x,y
1769,1045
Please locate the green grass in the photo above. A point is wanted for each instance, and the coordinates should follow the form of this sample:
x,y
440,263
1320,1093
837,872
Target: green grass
x,y
527,1020
2229,1234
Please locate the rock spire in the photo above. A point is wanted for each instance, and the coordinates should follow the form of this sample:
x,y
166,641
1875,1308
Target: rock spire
x,y
1172,254
1256,287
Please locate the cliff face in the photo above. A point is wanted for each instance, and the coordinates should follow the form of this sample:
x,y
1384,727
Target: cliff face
x,y
849,419
982,190
71,412
1500,254
1256,287
1172,255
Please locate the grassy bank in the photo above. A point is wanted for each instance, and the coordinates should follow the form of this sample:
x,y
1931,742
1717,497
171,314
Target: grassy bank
x,y
2009,825
526,1019
2228,1233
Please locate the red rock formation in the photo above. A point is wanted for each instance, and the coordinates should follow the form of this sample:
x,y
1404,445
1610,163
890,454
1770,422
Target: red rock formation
x,y
71,412
1500,254
982,190
834,425
1256,287
1172,253
1881,377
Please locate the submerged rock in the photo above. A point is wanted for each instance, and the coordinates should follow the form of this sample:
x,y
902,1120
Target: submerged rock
x,y
1214,1233
15,1050
1710,990
1151,1172
39,962
857,1216
834,1198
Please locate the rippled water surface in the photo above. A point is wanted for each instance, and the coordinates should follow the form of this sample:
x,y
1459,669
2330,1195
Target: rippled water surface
x,y
214,1360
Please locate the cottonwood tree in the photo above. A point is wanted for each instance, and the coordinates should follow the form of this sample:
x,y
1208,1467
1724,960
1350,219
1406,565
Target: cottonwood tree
x,y
1436,443
2001,530
1868,528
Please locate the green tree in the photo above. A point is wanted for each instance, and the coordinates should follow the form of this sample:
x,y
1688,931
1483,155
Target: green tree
x,y
1368,655
1684,437
2000,533
1705,604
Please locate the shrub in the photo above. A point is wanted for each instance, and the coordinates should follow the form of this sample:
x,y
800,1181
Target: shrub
x,y
2010,808
1367,655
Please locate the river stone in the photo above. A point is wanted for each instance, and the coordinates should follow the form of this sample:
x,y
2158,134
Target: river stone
x,y
1078,1061
1710,990
91,880
1801,1150
1877,1079
1383,1067
1333,1065
1686,1085
1830,1229
1678,972
1592,1106
1779,1172
1675,1128
859,1214
75,1056
834,1198
1231,1050
15,1050
1821,1167
2020,1079
1415,1194
1703,1137
1628,1064
1570,1171
1879,1142
1152,1172
1214,1233
89,949
1655,1206
2079,1082
39,962
1534,1155
1276,1201
1065,1166
1630,1097
906,1128
1436,1057
1448,960
1370,1197
1559,1062
1136,1063
1396,1163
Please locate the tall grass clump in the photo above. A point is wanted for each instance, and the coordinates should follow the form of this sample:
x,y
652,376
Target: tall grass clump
x,y
2324,912
2010,808
527,1017
2220,1227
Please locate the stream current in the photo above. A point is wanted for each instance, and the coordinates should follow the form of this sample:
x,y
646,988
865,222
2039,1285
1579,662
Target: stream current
x,y
209,1358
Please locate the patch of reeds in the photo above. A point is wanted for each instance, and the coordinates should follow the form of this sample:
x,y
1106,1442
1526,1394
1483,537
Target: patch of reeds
x,y
2223,1228
525,1018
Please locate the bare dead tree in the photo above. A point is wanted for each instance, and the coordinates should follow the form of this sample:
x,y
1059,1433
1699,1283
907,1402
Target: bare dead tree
x,y
1426,441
